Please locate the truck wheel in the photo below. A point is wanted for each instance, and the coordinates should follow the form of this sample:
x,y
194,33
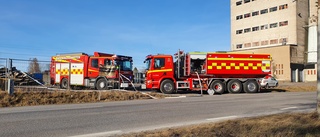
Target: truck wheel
x,y
217,86
167,86
251,86
234,86
64,83
101,84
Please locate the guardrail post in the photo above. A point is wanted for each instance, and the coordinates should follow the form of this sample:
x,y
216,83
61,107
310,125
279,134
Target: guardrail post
x,y
10,81
69,80
318,63
10,86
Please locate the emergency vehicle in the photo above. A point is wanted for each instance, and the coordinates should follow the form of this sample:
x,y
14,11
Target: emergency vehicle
x,y
100,71
213,71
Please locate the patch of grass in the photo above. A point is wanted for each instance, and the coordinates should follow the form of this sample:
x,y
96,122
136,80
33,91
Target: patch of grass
x,y
32,98
279,125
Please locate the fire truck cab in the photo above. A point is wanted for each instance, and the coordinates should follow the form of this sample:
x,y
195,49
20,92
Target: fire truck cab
x,y
160,72
100,71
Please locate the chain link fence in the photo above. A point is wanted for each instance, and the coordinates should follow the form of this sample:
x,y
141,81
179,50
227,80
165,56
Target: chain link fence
x,y
24,72
3,73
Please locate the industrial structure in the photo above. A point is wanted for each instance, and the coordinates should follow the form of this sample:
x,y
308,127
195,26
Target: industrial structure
x,y
281,28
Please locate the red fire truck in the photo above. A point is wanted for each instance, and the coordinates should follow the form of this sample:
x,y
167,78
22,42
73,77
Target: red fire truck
x,y
217,72
100,71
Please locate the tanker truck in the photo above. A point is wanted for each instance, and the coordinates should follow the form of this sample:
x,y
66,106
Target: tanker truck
x,y
218,72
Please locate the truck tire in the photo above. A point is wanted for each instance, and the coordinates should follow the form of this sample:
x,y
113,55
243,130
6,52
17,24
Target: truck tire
x,y
101,84
167,86
64,83
217,86
251,86
234,86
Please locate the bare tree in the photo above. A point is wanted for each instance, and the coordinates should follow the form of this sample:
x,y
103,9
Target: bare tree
x,y
34,66
135,70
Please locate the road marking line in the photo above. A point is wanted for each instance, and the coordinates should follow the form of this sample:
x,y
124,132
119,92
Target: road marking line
x,y
101,134
221,118
288,108
177,97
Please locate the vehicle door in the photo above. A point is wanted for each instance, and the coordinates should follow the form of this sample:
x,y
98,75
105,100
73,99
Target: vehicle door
x,y
93,69
158,69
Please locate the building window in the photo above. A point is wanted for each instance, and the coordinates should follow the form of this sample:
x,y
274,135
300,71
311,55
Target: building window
x,y
274,41
255,28
246,45
247,30
264,11
239,3
273,25
247,15
273,9
239,46
285,6
264,27
255,44
246,1
283,41
255,13
283,23
239,17
239,31
279,69
264,43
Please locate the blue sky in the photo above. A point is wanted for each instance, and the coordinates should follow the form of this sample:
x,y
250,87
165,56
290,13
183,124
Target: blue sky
x,y
42,28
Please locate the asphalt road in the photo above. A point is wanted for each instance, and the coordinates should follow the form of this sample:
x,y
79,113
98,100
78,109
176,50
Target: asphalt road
x,y
110,118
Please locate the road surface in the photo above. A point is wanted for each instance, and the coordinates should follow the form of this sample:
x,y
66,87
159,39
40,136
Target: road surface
x,y
110,118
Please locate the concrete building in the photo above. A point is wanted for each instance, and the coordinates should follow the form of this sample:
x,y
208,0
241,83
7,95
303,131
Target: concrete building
x,y
278,27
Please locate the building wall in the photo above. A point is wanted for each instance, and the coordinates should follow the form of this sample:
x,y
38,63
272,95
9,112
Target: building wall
x,y
280,60
313,26
302,17
288,31
287,42
311,73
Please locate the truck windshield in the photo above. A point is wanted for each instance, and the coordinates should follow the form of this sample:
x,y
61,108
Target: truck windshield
x,y
125,65
148,62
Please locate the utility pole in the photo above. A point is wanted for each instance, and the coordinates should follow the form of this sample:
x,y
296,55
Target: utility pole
x,y
318,61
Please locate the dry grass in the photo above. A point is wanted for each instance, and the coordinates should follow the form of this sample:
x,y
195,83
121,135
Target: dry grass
x,y
32,98
267,126
295,87
280,125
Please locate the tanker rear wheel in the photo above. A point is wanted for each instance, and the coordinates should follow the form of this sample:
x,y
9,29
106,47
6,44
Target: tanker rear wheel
x,y
217,86
251,86
234,86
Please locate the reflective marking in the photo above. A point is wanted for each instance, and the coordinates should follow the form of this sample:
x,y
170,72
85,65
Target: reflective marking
x,y
101,134
288,108
222,118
